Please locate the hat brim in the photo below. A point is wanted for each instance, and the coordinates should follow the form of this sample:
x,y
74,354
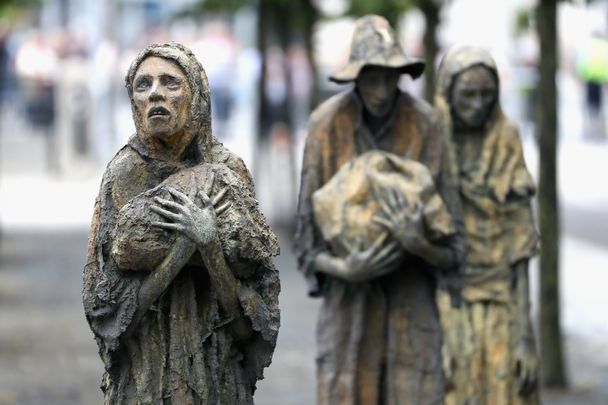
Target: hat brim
x,y
349,73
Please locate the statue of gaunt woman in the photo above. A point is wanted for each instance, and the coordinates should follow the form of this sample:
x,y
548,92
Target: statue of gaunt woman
x,y
179,286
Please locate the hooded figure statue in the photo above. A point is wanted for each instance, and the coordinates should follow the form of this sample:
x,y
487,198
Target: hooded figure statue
x,y
182,296
489,343
378,332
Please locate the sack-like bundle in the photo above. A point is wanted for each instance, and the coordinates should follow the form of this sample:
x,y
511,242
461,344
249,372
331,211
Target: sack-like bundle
x,y
242,229
345,205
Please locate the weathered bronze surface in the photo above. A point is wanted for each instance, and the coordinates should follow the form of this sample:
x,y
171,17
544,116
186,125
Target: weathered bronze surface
x,y
489,343
345,207
179,286
378,333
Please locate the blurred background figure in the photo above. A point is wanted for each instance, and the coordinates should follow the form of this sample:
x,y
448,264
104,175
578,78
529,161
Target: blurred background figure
x,y
64,113
216,49
36,65
592,66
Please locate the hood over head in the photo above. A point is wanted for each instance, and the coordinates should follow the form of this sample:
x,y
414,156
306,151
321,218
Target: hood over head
x,y
200,106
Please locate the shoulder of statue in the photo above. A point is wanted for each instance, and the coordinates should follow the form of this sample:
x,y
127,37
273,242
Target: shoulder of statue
x,y
125,160
421,107
509,128
330,109
219,154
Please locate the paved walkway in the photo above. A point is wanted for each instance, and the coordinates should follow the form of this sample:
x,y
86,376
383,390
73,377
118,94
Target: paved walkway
x,y
48,356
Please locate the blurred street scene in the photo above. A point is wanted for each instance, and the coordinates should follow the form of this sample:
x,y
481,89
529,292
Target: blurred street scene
x,y
64,113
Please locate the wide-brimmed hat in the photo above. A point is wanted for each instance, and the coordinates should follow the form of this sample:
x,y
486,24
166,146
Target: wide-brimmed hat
x,y
375,43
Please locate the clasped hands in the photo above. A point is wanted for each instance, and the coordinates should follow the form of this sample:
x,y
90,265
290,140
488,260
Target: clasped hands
x,y
402,221
198,223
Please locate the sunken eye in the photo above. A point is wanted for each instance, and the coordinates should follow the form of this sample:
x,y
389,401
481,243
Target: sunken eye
x,y
143,83
171,82
487,93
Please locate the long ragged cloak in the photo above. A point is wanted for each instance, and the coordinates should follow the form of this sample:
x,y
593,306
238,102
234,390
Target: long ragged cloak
x,y
378,342
496,190
182,350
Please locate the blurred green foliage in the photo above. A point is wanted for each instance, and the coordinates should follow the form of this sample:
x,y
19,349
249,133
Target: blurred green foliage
x,y
14,8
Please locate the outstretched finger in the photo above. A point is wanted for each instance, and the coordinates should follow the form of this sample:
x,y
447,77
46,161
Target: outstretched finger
x,y
219,210
169,225
385,207
205,199
400,198
383,222
192,190
208,186
169,203
166,213
378,242
392,199
218,197
386,251
389,261
179,195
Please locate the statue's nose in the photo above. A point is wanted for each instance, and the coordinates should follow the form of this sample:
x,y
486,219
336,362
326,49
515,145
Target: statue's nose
x,y
156,91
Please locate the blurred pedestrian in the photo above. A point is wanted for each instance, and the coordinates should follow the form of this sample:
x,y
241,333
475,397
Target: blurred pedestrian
x,y
36,65
592,66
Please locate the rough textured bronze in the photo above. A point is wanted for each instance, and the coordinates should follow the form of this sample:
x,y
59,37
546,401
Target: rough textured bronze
x,y
379,339
375,43
489,343
345,206
183,312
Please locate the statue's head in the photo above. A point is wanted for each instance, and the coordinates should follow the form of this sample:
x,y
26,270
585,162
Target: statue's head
x,y
169,94
377,87
376,61
468,83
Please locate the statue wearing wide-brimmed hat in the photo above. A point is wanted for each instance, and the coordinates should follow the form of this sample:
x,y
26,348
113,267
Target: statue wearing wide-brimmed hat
x,y
374,43
378,335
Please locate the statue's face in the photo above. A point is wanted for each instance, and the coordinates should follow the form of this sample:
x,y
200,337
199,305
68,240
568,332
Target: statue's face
x,y
473,96
161,97
378,89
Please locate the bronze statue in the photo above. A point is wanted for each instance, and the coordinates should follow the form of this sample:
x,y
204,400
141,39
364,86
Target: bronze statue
x,y
489,342
179,286
378,333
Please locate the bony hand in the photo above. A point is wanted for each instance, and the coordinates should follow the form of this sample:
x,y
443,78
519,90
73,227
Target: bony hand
x,y
361,265
197,223
526,366
402,220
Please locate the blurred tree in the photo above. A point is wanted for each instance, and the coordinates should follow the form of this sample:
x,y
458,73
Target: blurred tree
x,y
279,23
13,8
392,10
551,354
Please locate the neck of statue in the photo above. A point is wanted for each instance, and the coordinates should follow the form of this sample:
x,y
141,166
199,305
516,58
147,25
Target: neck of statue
x,y
171,148
377,123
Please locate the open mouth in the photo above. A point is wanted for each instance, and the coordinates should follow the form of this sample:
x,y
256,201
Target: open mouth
x,y
158,112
